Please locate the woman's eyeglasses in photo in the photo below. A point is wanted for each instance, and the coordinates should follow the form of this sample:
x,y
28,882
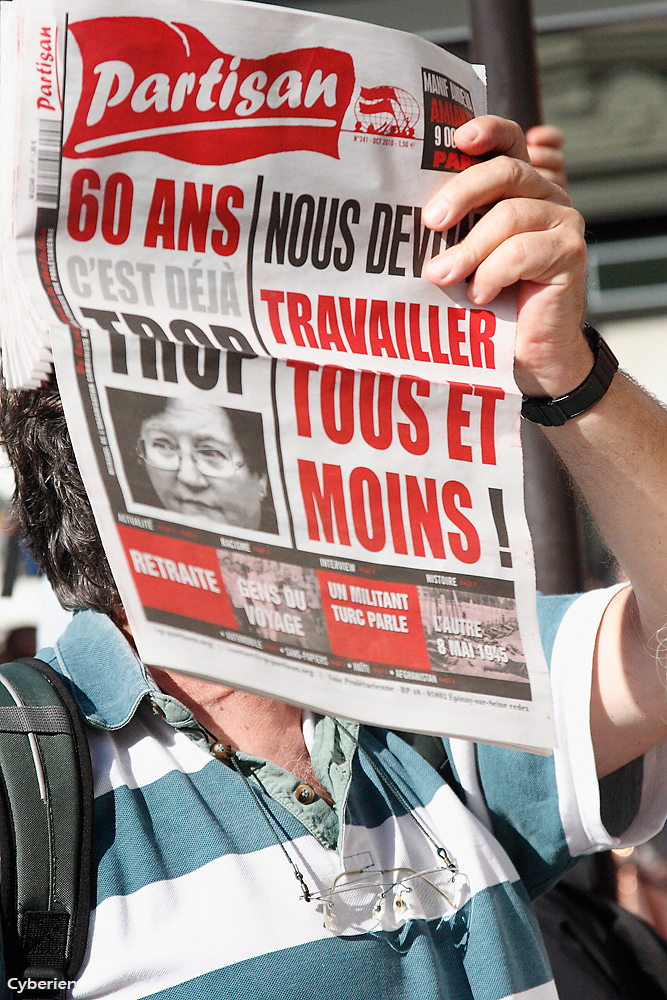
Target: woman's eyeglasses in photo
x,y
162,453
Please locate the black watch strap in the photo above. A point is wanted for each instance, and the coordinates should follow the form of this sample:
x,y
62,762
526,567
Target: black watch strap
x,y
554,412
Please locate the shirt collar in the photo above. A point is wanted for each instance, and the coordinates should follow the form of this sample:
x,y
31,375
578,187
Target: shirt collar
x,y
109,682
108,679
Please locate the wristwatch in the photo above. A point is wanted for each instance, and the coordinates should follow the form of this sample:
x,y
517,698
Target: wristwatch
x,y
554,412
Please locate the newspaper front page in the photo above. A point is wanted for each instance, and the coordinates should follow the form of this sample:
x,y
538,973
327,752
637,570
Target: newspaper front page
x,y
303,458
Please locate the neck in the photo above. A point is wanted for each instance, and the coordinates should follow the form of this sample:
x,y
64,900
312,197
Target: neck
x,y
247,722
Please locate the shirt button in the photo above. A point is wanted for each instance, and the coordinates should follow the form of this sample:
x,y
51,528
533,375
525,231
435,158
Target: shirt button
x,y
158,710
304,794
222,751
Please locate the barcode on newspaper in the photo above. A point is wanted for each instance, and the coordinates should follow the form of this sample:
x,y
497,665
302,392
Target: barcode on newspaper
x,y
48,162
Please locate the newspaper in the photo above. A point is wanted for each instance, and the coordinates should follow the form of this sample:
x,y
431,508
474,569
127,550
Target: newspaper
x,y
304,459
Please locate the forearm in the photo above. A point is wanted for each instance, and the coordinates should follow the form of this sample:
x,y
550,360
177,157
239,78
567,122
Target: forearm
x,y
617,455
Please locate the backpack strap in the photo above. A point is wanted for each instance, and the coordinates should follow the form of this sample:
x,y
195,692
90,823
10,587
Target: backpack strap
x,y
46,808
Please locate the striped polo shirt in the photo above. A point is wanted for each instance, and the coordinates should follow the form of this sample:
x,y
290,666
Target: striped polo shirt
x,y
196,898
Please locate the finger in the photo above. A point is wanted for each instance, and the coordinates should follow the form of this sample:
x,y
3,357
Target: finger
x,y
558,177
485,183
544,157
504,221
541,258
550,163
545,152
545,135
490,134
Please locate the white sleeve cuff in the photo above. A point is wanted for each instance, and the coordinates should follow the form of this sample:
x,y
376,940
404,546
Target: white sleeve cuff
x,y
578,789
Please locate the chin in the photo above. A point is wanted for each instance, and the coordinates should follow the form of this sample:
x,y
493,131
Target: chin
x,y
236,521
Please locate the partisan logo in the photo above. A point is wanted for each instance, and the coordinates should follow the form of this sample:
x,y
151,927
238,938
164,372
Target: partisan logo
x,y
150,85
386,111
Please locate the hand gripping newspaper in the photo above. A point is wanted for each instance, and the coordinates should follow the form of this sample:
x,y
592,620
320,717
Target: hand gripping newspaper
x,y
304,459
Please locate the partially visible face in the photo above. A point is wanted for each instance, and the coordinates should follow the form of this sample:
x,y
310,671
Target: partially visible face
x,y
199,442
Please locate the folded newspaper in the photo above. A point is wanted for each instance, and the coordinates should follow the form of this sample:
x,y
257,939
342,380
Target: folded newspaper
x,y
304,459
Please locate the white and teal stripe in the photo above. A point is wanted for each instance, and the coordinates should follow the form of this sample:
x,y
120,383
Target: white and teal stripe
x,y
196,900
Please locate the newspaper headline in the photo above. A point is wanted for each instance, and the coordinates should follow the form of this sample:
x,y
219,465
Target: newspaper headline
x,y
304,460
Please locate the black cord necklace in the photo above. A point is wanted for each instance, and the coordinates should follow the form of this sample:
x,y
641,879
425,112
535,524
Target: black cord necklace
x,y
228,755
268,819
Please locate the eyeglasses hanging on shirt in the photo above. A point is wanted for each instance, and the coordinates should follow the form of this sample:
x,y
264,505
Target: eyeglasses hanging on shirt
x,y
372,899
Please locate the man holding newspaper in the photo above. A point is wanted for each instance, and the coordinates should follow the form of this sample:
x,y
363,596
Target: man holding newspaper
x,y
209,800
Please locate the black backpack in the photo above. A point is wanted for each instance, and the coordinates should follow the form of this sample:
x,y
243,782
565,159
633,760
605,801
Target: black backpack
x,y
46,810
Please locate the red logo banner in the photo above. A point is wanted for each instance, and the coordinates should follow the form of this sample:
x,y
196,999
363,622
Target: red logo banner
x,y
152,85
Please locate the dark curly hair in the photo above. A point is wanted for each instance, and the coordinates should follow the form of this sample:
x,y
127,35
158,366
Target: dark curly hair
x,y
51,506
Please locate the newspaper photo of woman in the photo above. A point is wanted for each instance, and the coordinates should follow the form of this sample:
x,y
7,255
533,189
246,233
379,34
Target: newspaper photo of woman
x,y
203,461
